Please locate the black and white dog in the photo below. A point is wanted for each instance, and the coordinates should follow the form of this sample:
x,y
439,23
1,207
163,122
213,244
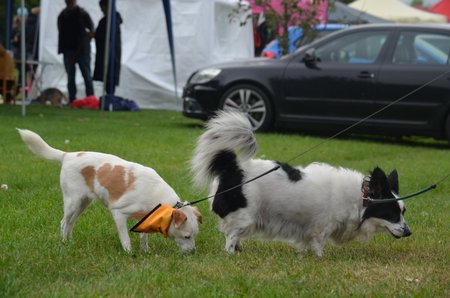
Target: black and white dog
x,y
302,206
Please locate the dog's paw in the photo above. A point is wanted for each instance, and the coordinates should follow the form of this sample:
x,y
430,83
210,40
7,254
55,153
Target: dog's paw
x,y
317,251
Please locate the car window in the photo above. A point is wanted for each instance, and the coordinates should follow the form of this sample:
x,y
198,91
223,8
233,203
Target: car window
x,y
361,47
306,39
422,48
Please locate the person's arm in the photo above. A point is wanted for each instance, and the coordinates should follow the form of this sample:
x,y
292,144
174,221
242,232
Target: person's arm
x,y
88,21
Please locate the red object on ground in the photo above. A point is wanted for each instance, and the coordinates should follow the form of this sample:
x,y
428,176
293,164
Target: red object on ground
x,y
90,102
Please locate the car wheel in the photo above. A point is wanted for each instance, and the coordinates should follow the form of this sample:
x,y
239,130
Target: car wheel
x,y
251,101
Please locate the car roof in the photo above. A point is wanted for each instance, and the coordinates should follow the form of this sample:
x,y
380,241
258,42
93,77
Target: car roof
x,y
384,26
445,26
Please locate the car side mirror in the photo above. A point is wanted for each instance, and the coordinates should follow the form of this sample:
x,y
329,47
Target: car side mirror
x,y
310,59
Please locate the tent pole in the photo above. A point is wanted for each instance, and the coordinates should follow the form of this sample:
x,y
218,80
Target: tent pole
x,y
166,4
112,47
106,58
23,61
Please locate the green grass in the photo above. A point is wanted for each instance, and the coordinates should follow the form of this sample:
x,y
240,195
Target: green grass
x,y
35,263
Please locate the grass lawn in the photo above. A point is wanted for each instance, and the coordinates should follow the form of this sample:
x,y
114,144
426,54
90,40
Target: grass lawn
x,y
35,263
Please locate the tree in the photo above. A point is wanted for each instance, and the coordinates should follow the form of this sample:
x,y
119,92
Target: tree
x,y
303,14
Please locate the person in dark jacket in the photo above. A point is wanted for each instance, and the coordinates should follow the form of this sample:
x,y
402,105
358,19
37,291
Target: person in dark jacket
x,y
75,30
32,39
32,34
100,42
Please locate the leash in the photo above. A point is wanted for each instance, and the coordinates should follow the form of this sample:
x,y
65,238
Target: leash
x,y
179,204
153,215
424,190
433,186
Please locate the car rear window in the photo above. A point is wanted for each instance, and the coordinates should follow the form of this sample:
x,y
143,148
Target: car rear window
x,y
422,48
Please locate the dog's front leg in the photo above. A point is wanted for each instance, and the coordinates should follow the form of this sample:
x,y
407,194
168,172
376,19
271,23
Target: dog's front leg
x,y
317,245
121,224
232,242
143,240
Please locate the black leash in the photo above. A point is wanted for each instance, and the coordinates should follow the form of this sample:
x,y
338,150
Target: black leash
x,y
179,204
426,189
433,186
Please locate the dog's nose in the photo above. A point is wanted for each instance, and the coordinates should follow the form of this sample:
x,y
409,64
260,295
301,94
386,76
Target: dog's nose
x,y
406,232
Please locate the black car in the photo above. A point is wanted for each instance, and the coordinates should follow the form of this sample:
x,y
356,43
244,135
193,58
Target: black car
x,y
335,81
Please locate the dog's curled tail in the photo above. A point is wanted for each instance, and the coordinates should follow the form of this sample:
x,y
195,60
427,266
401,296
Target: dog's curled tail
x,y
39,147
227,132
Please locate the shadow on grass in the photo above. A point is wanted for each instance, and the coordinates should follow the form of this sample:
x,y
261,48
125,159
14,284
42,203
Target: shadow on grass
x,y
407,141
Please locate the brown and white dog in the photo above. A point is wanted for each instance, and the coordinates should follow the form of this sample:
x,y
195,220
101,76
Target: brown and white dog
x,y
127,189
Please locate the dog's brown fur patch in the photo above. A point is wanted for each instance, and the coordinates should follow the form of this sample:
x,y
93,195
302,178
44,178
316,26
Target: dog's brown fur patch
x,y
88,174
114,179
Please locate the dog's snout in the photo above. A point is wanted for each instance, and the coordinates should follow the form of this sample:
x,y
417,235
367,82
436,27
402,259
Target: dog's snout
x,y
406,232
189,250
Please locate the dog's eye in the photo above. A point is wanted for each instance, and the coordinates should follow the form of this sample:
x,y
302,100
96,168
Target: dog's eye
x,y
187,237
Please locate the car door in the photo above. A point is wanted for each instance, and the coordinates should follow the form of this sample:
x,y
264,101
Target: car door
x,y
341,88
420,56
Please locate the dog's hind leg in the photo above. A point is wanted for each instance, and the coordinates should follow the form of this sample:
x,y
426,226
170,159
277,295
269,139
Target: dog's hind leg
x,y
73,207
121,224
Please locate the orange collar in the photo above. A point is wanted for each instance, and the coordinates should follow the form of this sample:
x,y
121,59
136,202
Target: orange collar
x,y
157,221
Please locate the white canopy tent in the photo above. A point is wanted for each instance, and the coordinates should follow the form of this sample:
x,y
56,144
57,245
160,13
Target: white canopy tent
x,y
202,32
396,11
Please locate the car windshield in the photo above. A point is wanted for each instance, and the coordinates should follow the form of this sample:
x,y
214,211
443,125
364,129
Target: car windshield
x,y
315,34
361,47
297,39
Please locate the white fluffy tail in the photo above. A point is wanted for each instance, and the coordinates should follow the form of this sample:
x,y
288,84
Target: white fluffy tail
x,y
226,132
39,147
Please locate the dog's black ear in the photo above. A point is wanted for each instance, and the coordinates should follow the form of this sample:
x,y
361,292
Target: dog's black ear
x,y
393,181
378,185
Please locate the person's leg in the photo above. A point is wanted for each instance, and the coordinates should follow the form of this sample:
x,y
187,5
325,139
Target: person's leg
x,y
69,64
84,62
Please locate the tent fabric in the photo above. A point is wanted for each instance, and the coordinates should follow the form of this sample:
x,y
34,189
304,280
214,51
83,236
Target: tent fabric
x,y
396,11
202,33
442,7
343,14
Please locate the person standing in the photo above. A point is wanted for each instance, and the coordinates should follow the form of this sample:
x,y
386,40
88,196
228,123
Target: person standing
x,y
100,42
15,42
75,28
32,34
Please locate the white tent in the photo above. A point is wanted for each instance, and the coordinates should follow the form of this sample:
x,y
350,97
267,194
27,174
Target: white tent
x,y
396,11
202,32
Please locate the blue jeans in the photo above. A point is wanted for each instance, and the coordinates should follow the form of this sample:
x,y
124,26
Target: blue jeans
x,y
84,62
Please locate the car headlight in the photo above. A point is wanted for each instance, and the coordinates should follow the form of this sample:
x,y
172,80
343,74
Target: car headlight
x,y
204,75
